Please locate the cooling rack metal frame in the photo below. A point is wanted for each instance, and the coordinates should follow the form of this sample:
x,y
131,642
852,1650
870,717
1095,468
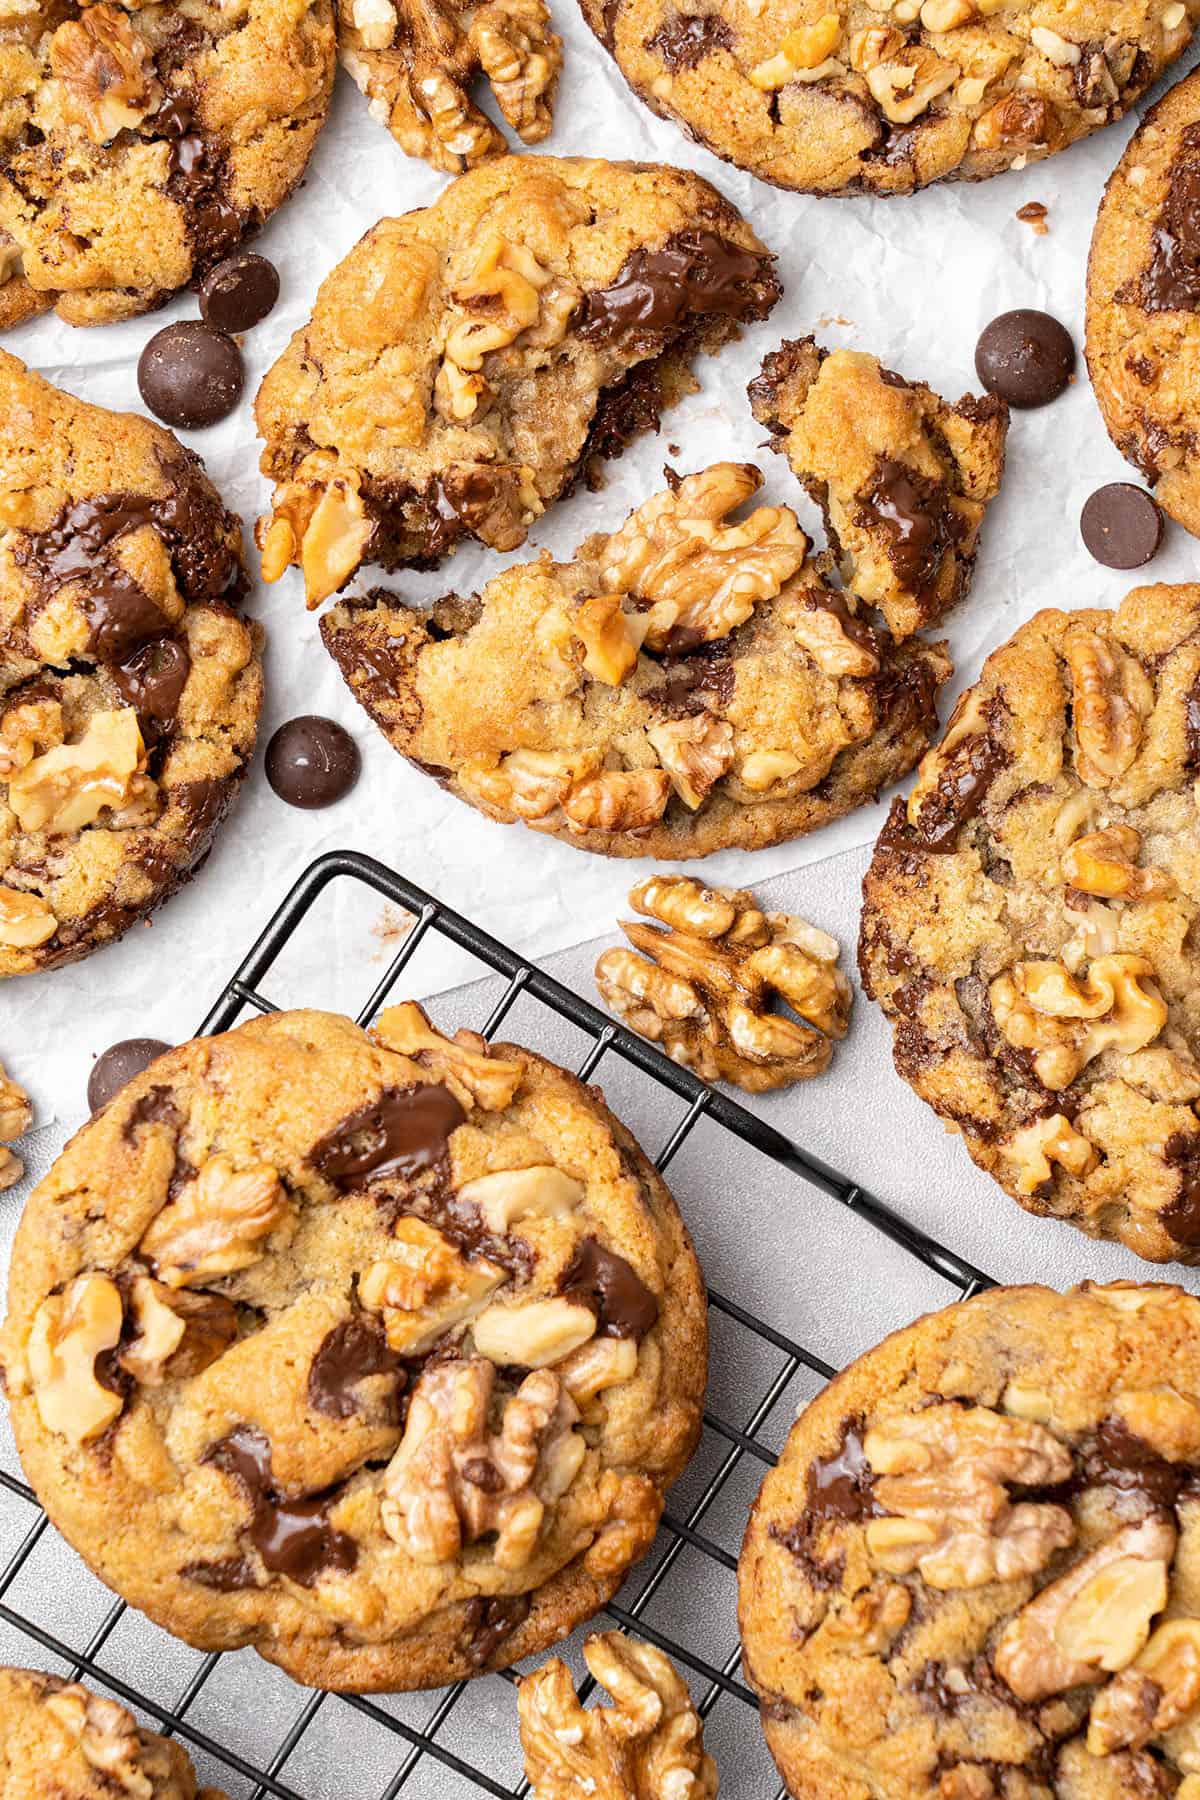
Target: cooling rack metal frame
x,y
244,991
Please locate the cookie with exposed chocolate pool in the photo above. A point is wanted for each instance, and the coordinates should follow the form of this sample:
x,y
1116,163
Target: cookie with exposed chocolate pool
x,y
902,477
465,363
57,1739
375,1351
1031,920
130,688
1143,302
972,1573
140,144
885,96
686,684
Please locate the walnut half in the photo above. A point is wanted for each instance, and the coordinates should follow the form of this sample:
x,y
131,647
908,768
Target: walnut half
x,y
648,1745
705,986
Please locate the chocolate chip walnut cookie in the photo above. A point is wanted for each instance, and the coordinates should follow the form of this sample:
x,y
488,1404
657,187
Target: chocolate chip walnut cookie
x,y
59,1742
129,688
377,1353
902,477
1143,302
648,1745
417,60
863,96
139,144
464,362
973,1574
687,684
1030,921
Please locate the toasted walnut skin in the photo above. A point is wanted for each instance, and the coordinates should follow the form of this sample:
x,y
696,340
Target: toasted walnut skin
x,y
1028,921
686,683
375,1352
705,987
988,1517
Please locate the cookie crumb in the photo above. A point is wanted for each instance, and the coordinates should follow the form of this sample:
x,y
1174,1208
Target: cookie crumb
x,y
1034,213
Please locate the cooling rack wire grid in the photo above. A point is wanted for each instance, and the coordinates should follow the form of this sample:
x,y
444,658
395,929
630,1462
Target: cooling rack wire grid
x,y
254,1732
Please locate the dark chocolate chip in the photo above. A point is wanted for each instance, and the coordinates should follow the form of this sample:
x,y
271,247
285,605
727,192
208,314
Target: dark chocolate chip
x,y
312,762
239,292
118,1066
1026,357
190,375
605,1282
1172,281
1121,525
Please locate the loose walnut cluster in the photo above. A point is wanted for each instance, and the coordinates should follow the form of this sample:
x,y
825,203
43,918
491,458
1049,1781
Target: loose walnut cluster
x,y
416,61
705,986
942,1478
648,1745
16,1116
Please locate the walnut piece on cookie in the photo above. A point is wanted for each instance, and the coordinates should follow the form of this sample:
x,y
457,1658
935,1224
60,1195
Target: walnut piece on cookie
x,y
383,1348
1029,921
1143,302
416,61
60,1739
140,144
129,687
648,1745
902,477
972,1573
16,1116
686,684
465,362
709,972
885,96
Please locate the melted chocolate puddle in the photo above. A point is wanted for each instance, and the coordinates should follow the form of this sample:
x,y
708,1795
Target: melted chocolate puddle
x,y
351,1353
695,272
293,1537
402,1133
920,522
615,1292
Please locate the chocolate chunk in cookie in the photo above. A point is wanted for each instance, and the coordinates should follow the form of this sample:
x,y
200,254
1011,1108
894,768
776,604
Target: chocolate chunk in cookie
x,y
902,476
1003,1606
464,362
1143,303
129,687
1030,920
417,61
687,684
405,1328
141,144
859,96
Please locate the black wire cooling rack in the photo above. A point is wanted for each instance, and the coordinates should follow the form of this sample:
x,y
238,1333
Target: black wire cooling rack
x,y
731,1442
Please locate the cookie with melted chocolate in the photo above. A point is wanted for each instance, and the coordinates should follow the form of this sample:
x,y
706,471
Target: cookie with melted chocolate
x,y
142,145
465,362
902,476
970,1573
1143,303
377,1352
854,98
1030,921
687,684
130,688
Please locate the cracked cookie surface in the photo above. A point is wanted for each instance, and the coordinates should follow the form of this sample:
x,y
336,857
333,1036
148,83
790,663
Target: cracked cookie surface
x,y
687,684
377,1353
1143,303
140,144
129,688
1030,921
902,477
60,1742
973,1574
862,96
417,61
465,362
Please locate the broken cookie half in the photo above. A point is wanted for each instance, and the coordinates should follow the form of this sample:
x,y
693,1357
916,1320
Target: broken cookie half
x,y
465,363
686,684
418,60
902,476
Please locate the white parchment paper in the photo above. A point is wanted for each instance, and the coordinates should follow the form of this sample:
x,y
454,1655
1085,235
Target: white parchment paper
x,y
912,280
